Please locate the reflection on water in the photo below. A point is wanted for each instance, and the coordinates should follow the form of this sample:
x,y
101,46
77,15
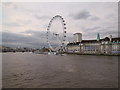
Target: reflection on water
x,y
0,70
28,70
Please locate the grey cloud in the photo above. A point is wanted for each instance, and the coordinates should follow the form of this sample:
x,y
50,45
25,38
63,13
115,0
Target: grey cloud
x,y
14,24
42,34
7,3
14,39
36,40
94,18
93,28
84,15
104,32
38,34
107,33
69,37
10,5
41,17
119,18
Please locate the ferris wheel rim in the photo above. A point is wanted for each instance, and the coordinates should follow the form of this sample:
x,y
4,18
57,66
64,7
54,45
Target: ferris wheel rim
x,y
63,27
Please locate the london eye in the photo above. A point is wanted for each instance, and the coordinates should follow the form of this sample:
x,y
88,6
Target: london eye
x,y
56,36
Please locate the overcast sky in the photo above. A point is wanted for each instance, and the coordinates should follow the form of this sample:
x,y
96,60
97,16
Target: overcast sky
x,y
25,23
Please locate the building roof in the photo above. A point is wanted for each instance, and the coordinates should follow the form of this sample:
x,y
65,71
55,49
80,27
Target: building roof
x,y
115,39
95,41
77,33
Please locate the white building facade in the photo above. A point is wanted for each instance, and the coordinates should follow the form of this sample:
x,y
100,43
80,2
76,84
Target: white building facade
x,y
107,45
77,37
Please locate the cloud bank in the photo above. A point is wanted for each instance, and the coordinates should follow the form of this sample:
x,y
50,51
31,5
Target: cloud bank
x,y
25,23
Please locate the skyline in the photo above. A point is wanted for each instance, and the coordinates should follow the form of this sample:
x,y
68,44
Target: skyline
x,y
26,23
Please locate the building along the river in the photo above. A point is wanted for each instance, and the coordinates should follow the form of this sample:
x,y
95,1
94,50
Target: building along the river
x,y
107,45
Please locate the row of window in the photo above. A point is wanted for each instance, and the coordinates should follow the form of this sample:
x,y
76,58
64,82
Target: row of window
x,y
94,48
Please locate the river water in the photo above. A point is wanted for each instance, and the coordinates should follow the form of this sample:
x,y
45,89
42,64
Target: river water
x,y
28,70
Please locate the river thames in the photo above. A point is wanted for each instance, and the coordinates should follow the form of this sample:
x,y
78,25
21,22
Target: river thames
x,y
29,70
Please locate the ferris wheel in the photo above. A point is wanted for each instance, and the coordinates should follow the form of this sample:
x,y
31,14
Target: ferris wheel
x,y
55,39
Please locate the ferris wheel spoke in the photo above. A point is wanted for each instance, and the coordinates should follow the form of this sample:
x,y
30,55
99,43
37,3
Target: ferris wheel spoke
x,y
61,39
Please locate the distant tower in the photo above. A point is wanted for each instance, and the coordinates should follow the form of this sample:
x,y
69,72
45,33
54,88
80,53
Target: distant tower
x,y
110,37
98,37
77,37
